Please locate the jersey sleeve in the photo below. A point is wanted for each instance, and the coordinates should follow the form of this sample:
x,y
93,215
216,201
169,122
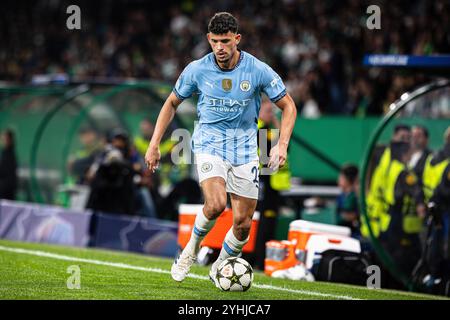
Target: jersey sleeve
x,y
185,85
272,85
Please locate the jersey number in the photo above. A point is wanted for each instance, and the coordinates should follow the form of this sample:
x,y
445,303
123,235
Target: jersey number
x,y
255,171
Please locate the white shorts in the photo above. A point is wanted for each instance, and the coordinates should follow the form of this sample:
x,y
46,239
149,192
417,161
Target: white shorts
x,y
242,180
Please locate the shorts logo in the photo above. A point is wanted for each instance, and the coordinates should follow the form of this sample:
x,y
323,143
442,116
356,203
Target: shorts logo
x,y
245,85
227,84
206,167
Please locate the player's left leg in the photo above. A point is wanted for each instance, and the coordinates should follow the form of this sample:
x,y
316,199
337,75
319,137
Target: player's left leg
x,y
236,238
243,186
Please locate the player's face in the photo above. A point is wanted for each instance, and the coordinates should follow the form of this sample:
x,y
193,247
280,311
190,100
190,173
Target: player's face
x,y
224,46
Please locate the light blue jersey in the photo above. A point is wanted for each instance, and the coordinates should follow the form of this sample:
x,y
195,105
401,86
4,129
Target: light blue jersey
x,y
228,104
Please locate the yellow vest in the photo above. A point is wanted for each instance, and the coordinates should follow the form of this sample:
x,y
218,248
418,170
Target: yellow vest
x,y
169,173
280,180
141,145
392,173
432,176
377,209
381,196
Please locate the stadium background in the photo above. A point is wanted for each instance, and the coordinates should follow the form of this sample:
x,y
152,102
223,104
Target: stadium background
x,y
119,67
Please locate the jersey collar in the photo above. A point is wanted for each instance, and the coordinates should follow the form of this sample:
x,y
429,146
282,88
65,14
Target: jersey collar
x,y
229,70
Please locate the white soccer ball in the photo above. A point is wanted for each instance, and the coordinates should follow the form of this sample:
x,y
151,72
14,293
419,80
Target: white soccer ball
x,y
234,274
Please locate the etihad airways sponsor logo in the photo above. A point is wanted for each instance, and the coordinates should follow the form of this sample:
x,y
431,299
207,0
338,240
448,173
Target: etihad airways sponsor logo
x,y
227,102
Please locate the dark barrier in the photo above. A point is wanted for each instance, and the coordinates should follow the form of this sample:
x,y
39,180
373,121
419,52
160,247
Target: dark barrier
x,y
41,223
138,234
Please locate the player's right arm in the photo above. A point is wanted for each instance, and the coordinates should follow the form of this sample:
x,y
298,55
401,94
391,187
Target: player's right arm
x,y
184,88
165,117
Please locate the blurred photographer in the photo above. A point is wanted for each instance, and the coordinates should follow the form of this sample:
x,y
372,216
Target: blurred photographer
x,y
117,179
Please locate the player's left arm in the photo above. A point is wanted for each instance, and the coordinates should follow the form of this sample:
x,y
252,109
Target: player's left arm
x,y
278,154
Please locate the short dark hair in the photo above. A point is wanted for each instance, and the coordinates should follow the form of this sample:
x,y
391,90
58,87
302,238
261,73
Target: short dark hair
x,y
424,130
222,22
119,134
9,133
402,126
350,172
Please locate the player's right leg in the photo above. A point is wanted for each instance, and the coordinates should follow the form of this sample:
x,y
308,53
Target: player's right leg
x,y
213,187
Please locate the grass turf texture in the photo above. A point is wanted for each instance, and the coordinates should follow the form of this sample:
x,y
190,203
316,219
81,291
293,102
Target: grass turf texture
x,y
133,276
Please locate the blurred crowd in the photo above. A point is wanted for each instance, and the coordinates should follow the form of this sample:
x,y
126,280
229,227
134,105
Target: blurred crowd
x,y
316,46
112,166
408,203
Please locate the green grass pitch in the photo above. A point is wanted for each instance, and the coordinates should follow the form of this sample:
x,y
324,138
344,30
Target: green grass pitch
x,y
40,271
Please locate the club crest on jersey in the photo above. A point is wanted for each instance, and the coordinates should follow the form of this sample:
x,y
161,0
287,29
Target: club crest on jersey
x,y
206,167
245,85
227,84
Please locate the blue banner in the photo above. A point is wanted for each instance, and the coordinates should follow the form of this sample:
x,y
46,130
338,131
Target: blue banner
x,y
42,223
398,60
138,234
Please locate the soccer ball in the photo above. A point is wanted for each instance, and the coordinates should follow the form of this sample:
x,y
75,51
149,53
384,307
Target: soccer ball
x,y
234,274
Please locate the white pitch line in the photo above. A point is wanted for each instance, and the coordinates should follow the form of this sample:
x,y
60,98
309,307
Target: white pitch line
x,y
157,270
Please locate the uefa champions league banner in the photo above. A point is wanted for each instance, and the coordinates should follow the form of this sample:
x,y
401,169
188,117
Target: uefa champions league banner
x,y
55,225
138,234
42,223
